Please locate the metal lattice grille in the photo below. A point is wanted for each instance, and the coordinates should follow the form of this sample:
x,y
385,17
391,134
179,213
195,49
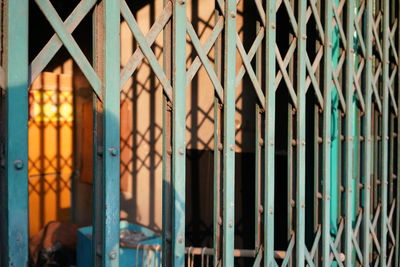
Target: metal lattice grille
x,y
326,72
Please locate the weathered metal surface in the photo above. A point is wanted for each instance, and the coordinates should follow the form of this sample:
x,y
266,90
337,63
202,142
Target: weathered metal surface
x,y
344,81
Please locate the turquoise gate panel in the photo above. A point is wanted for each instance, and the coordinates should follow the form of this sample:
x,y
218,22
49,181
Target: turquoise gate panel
x,y
334,62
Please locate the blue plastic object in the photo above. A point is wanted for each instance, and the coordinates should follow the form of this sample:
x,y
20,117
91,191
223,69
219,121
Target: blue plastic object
x,y
128,256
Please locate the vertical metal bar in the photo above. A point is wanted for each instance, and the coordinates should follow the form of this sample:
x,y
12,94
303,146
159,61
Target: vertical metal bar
x,y
179,132
97,164
217,151
301,134
166,149
385,137
111,133
326,139
349,140
269,131
397,247
258,153
229,134
367,133
15,216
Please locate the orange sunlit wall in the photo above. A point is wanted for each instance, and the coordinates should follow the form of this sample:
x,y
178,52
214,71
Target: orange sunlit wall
x,y
50,149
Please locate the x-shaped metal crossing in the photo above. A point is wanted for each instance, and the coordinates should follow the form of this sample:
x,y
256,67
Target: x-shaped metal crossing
x,y
64,37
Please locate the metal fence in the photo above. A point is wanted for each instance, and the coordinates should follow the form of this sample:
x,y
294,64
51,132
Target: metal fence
x,y
337,63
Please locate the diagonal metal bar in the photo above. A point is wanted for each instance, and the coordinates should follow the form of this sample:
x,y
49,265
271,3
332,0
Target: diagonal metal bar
x,y
204,59
391,93
392,43
250,71
148,53
340,27
260,11
292,18
288,82
51,14
317,21
376,35
288,57
335,254
54,44
309,260
289,251
196,64
359,93
360,37
316,242
259,257
339,90
253,49
314,82
151,36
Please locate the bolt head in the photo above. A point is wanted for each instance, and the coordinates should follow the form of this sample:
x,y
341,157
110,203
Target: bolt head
x,y
18,164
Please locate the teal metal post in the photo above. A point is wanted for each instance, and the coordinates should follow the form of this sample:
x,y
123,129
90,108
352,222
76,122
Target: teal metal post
x,y
111,133
335,137
301,135
166,148
228,223
15,206
367,145
326,143
349,140
269,131
178,132
385,133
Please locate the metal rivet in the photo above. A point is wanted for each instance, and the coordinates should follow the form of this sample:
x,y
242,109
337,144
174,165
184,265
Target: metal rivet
x,y
19,164
304,36
230,224
271,143
302,205
233,14
180,239
180,151
113,255
273,26
220,146
303,143
330,44
113,151
271,211
231,147
260,209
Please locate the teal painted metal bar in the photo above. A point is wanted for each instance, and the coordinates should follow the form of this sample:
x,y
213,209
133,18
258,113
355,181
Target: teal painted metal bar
x,y
97,212
326,143
111,133
301,134
228,221
366,131
349,139
15,184
166,149
269,132
178,132
385,134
